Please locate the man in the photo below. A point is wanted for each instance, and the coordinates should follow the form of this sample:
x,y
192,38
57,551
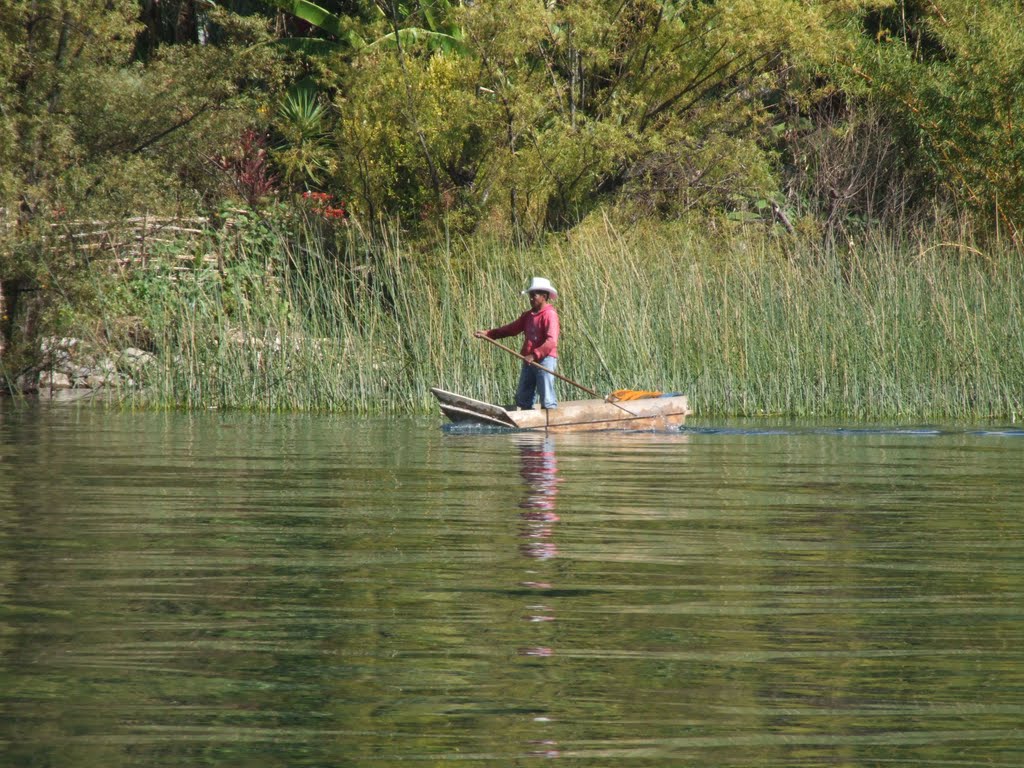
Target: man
x,y
539,326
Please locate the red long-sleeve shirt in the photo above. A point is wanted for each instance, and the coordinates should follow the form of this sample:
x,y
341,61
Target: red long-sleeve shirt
x,y
540,330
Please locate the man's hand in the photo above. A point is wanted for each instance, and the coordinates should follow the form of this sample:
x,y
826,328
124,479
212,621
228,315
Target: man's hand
x,y
480,334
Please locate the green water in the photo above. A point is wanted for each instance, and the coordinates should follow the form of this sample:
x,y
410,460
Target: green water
x,y
228,590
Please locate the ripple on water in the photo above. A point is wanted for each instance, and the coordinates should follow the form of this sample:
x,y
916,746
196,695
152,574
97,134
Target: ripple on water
x,y
306,591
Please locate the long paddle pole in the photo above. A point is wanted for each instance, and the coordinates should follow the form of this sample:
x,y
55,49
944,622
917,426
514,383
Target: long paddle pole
x,y
557,375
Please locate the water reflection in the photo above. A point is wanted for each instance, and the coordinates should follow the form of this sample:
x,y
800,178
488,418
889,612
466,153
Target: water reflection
x,y
538,467
221,590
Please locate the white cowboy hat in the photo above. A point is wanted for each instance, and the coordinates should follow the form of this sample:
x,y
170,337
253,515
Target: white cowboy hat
x,y
541,284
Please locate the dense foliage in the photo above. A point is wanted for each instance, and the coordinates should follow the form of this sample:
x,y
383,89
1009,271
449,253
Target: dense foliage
x,y
816,121
514,114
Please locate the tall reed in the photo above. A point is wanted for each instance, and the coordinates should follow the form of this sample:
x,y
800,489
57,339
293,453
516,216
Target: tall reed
x,y
744,325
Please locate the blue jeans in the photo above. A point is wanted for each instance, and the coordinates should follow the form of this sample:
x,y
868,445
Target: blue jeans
x,y
533,381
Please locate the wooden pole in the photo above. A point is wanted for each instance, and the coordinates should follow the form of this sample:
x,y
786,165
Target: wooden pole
x,y
566,379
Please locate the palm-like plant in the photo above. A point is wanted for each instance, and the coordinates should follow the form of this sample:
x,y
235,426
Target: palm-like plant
x,y
304,151
437,33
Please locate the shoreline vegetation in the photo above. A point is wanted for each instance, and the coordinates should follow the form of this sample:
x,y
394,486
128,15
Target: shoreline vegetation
x,y
745,322
806,208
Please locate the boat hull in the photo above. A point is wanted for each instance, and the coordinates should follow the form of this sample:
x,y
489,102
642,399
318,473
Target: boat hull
x,y
571,416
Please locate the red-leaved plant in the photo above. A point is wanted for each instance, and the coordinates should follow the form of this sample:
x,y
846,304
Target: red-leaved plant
x,y
249,169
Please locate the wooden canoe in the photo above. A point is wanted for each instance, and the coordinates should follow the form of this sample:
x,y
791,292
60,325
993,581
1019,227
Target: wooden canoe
x,y
571,416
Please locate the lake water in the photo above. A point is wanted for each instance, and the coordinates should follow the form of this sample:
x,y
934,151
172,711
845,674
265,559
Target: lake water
x,y
233,590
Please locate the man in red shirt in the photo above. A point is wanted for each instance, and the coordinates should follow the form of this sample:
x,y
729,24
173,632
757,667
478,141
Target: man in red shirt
x,y
539,326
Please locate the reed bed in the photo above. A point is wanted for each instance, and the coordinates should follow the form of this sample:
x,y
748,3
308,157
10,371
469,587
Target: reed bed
x,y
745,325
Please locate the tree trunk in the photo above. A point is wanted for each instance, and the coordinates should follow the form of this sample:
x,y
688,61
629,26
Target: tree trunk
x,y
9,291
3,322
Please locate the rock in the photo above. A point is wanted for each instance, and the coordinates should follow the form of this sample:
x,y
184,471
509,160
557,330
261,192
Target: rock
x,y
27,383
50,344
59,353
74,370
54,380
78,374
134,359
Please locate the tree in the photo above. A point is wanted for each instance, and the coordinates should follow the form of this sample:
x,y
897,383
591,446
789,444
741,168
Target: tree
x,y
89,130
948,76
563,106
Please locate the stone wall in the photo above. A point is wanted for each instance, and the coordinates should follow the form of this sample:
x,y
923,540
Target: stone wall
x,y
72,369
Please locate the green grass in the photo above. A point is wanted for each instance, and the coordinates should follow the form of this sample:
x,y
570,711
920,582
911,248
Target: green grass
x,y
744,324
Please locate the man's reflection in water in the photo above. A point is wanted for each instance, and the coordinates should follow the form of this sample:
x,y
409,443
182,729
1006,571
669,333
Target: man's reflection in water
x,y
539,470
